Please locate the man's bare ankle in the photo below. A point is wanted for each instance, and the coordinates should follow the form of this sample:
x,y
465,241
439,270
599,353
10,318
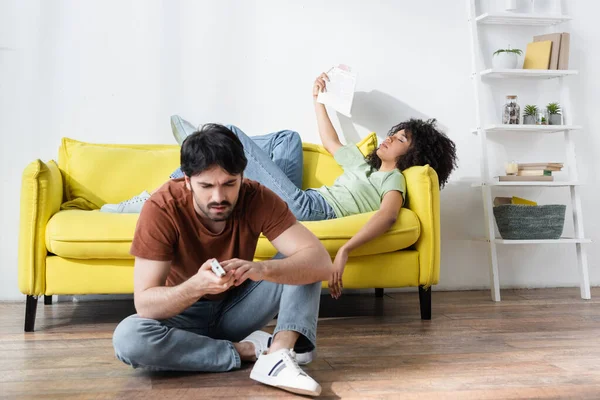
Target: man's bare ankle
x,y
284,340
246,351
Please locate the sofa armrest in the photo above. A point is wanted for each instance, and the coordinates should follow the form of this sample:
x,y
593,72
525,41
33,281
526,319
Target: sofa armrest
x,y
41,197
423,198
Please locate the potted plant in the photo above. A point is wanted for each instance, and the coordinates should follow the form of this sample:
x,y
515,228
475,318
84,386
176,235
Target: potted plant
x,y
554,114
529,114
506,58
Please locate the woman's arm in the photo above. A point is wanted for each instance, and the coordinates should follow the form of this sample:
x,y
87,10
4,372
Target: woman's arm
x,y
377,225
329,136
380,222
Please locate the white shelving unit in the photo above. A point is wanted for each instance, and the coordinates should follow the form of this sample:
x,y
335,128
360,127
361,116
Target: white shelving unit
x,y
509,18
528,128
528,184
484,76
526,73
562,240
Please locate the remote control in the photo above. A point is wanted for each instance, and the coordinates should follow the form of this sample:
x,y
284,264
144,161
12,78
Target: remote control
x,y
217,269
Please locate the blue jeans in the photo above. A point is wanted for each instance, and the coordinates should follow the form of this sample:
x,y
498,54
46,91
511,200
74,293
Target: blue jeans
x,y
201,338
275,160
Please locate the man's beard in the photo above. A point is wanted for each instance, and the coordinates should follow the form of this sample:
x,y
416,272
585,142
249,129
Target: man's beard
x,y
212,214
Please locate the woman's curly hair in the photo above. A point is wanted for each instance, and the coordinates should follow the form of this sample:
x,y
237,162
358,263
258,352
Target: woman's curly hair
x,y
428,146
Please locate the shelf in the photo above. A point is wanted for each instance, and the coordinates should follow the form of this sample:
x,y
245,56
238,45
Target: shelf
x,y
533,183
529,128
538,241
521,19
527,73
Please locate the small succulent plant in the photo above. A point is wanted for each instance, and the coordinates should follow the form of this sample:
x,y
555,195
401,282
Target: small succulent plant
x,y
530,110
509,50
553,108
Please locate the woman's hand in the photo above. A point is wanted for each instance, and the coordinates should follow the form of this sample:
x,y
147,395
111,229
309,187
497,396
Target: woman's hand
x,y
335,281
320,85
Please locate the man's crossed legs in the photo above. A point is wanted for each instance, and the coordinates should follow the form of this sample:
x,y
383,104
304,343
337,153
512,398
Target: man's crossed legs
x,y
209,335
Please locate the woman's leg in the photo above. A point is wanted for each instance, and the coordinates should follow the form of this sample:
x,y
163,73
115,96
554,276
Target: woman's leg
x,y
264,170
285,149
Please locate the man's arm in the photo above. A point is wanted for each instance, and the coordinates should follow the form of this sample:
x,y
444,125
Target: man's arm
x,y
155,300
306,260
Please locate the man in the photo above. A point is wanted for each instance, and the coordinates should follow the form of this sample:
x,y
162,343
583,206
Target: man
x,y
188,318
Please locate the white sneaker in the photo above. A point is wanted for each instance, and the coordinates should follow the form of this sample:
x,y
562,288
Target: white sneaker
x,y
280,369
302,358
181,128
260,340
133,205
306,358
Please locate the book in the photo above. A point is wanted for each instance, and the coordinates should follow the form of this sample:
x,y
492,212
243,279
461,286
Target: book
x,y
549,166
563,55
522,201
499,201
340,90
516,178
555,38
534,172
545,168
537,55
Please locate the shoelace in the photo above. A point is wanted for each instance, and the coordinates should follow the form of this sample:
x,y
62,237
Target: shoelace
x,y
135,199
289,358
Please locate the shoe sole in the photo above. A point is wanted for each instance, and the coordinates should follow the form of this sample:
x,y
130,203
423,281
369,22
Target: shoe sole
x,y
269,381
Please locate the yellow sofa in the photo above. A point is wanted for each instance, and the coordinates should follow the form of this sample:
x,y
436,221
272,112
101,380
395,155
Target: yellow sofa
x,y
68,247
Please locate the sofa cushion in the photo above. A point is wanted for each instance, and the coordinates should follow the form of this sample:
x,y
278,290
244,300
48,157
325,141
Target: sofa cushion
x,y
320,168
90,234
334,233
82,234
96,174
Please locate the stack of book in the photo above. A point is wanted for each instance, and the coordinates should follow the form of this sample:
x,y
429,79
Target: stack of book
x,y
534,172
550,51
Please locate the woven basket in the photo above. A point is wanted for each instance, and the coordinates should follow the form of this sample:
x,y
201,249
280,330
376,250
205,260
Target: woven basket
x,y
521,222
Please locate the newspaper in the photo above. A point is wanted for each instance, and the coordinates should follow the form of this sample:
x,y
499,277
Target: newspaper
x,y
340,90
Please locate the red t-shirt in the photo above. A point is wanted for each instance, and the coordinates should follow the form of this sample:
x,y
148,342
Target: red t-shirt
x,y
170,230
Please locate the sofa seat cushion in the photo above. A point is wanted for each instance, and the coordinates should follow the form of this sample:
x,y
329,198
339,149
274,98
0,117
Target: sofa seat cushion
x,y
84,234
334,233
80,234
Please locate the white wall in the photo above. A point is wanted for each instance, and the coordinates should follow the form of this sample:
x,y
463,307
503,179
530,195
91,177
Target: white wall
x,y
114,71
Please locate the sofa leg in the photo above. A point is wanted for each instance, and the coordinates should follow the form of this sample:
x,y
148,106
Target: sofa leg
x,y
30,310
425,302
379,292
47,300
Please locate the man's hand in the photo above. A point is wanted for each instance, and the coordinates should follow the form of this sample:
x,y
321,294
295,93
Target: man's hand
x,y
244,269
206,282
335,281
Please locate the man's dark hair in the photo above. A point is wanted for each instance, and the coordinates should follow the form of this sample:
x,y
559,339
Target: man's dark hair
x,y
213,145
428,146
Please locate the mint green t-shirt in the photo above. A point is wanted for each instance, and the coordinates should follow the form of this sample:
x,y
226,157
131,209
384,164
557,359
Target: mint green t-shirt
x,y
358,189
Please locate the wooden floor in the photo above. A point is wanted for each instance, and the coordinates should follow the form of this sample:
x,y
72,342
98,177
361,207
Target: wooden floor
x,y
534,344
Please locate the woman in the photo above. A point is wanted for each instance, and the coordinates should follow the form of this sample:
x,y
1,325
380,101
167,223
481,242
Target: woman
x,y
374,183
